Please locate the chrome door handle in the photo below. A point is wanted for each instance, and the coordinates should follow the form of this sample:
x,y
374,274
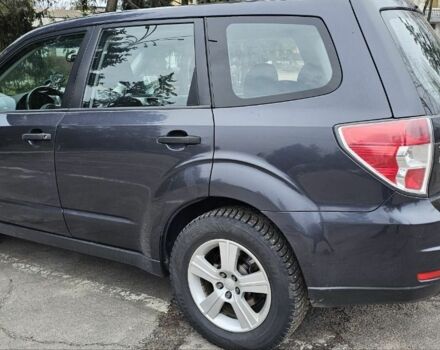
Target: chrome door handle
x,y
180,140
36,137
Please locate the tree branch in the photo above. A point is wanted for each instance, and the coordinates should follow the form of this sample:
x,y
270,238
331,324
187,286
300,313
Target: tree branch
x,y
133,5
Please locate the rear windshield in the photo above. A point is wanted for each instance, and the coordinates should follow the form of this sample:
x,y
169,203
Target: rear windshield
x,y
420,48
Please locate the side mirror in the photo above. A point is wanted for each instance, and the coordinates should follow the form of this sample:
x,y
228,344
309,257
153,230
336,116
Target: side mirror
x,y
7,103
71,56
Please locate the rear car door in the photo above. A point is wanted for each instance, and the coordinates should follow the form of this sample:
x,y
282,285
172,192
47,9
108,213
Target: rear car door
x,y
33,83
141,142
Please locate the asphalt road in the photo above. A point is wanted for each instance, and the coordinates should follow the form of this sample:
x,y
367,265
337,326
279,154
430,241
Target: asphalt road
x,y
54,299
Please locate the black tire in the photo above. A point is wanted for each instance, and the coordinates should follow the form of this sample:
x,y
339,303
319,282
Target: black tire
x,y
254,232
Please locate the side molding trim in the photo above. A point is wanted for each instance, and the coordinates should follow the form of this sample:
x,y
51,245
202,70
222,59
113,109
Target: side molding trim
x,y
89,248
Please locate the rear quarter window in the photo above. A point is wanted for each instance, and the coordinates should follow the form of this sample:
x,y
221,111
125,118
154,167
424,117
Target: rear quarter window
x,y
271,59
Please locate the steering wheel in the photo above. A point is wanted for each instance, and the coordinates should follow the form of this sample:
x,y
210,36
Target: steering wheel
x,y
47,91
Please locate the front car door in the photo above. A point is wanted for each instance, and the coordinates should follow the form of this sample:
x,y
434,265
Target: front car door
x,y
140,143
33,83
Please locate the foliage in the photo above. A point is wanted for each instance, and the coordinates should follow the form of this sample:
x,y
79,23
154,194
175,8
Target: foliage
x,y
85,6
138,4
16,17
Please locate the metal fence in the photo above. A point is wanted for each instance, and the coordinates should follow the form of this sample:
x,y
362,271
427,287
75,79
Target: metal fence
x,y
435,16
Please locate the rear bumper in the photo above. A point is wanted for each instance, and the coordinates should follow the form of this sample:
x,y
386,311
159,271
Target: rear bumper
x,y
366,257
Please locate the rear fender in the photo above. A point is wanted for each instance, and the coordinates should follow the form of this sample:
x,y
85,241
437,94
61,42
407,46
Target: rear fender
x,y
254,181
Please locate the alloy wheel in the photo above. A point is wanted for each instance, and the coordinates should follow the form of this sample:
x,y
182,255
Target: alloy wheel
x,y
229,285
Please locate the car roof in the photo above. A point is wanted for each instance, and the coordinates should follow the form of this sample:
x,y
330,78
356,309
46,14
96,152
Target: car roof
x,y
317,8
253,7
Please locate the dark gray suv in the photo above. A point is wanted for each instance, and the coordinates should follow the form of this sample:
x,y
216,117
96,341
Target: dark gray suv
x,y
267,155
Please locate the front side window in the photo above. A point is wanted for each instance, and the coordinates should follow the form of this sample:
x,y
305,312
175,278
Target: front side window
x,y
420,49
38,78
143,66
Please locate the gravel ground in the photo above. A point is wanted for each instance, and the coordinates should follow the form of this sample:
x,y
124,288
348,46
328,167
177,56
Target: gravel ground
x,y
54,299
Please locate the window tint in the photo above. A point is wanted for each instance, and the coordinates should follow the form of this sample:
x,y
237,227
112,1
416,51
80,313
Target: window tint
x,y
38,78
420,49
151,65
269,59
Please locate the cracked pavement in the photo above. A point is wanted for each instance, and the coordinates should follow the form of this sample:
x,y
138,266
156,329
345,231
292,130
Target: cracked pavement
x,y
54,299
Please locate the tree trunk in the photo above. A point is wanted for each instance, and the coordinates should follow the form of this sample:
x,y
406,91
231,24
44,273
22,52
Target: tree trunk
x,y
112,6
430,11
426,6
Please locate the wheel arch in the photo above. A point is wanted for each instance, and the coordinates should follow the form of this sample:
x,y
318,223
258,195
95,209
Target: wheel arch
x,y
259,187
185,215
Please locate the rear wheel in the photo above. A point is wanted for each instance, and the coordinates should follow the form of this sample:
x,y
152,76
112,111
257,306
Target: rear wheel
x,y
237,280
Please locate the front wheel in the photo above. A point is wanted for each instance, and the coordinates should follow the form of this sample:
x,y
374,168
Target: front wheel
x,y
237,281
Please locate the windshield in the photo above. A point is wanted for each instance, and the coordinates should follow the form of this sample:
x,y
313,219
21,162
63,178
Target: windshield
x,y
420,48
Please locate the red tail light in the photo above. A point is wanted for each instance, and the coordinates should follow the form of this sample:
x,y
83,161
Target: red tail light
x,y
428,276
398,151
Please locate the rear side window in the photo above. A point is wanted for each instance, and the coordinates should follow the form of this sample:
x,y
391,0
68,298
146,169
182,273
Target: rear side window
x,y
143,66
271,59
420,49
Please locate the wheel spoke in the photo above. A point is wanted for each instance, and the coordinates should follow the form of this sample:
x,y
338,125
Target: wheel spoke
x,y
245,315
212,305
200,267
228,256
255,283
